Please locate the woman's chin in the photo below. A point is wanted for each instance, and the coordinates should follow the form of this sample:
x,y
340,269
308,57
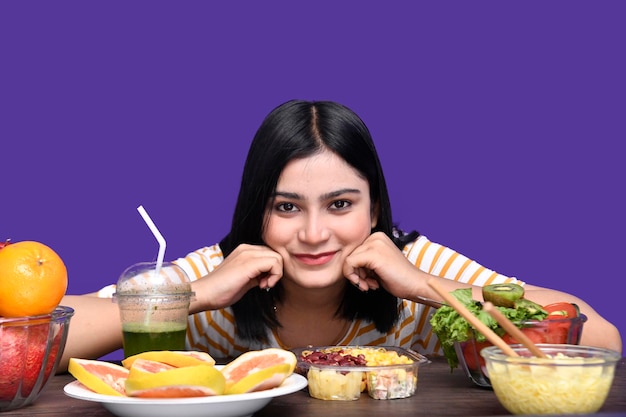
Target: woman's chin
x,y
321,283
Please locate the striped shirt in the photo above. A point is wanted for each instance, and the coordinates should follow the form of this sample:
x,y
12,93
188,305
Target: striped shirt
x,y
214,331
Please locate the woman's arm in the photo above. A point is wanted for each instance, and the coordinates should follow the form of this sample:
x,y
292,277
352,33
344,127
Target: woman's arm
x,y
597,331
409,280
95,329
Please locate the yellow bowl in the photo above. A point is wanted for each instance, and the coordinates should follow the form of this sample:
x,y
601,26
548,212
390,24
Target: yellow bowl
x,y
573,379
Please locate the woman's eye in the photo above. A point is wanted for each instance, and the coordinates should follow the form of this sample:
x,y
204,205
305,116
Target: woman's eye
x,y
286,207
340,204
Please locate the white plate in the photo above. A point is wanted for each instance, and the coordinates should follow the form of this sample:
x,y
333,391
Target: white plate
x,y
235,405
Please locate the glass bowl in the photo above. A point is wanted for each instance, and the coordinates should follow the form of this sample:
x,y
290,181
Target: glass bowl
x,y
30,351
573,379
553,331
343,372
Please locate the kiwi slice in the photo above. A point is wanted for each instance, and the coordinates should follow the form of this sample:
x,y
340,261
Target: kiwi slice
x,y
503,295
530,306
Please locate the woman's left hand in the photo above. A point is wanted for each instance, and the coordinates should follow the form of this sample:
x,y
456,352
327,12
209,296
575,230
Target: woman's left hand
x,y
378,261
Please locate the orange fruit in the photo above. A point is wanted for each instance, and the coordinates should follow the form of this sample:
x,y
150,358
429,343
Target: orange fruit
x,y
33,279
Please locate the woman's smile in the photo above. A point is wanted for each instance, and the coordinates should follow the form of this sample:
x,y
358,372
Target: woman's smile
x,y
315,259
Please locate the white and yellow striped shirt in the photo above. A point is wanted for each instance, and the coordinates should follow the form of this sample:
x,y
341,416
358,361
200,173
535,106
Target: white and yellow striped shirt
x,y
214,331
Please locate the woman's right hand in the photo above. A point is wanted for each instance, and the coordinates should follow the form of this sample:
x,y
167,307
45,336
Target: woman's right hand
x,y
248,266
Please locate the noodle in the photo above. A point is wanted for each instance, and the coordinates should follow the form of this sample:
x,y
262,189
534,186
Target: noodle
x,y
550,388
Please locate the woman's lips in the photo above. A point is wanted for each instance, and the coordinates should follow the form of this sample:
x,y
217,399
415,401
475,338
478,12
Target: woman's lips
x,y
318,259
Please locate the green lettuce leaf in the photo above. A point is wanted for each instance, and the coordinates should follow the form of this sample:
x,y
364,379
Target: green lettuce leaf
x,y
450,327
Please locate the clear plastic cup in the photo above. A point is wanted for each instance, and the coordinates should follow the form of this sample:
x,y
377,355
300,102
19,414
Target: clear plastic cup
x,y
154,307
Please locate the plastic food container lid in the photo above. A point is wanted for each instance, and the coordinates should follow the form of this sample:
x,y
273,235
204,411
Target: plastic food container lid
x,y
141,279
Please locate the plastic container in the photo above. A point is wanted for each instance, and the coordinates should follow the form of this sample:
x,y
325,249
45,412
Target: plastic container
x,y
154,304
336,373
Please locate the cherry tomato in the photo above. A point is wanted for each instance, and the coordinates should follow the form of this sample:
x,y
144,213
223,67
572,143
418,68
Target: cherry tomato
x,y
558,326
561,310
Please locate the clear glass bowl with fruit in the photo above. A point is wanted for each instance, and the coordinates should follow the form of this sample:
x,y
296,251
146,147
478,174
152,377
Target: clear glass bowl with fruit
x,y
342,373
566,330
30,350
558,323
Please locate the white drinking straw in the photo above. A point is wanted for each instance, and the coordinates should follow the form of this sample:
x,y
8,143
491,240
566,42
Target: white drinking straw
x,y
157,235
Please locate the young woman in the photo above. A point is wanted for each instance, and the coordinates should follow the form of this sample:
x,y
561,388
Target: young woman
x,y
313,256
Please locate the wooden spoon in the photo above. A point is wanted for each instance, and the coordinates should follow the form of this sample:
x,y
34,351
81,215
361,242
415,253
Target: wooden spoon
x,y
512,329
472,319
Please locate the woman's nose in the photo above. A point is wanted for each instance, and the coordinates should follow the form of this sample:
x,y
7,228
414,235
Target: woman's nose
x,y
314,230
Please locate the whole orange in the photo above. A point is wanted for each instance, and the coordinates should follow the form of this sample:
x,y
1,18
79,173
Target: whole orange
x,y
33,279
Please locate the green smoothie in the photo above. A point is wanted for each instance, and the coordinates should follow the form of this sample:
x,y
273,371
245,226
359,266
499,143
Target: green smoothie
x,y
139,337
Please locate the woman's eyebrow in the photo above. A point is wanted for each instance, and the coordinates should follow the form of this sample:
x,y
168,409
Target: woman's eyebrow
x,y
287,195
338,193
326,196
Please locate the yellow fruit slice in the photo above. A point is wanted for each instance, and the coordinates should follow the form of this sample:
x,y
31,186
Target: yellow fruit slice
x,y
261,380
259,369
148,367
188,381
177,358
99,376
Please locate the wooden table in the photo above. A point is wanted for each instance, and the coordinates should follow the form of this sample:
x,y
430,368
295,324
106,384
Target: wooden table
x,y
439,393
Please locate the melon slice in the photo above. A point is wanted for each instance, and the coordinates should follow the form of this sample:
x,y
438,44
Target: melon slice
x,y
99,376
258,370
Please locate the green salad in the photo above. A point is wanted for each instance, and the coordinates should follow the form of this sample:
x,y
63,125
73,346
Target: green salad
x,y
451,327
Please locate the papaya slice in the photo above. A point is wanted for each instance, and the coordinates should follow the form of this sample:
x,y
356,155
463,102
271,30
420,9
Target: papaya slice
x,y
99,376
176,358
258,370
188,381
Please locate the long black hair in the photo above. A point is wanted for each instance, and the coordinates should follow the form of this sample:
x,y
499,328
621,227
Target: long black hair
x,y
298,129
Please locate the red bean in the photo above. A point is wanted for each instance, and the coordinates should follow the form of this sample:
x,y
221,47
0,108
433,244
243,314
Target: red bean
x,y
336,358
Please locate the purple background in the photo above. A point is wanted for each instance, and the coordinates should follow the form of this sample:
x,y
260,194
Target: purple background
x,y
498,124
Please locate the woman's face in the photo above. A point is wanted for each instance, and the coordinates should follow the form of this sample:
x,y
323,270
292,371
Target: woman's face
x,y
321,213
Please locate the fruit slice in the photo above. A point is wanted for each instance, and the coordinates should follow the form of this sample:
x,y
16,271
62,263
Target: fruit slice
x,y
261,380
503,295
176,358
258,370
189,381
147,366
561,310
99,376
531,307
